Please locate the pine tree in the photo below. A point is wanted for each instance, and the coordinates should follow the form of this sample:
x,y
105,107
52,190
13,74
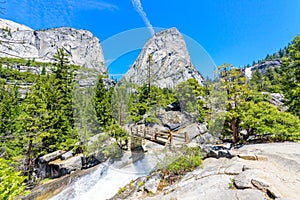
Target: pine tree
x,y
291,77
237,89
9,111
102,102
257,80
120,104
262,118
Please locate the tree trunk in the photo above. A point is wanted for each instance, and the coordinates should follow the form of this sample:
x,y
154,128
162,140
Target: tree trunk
x,y
234,129
29,161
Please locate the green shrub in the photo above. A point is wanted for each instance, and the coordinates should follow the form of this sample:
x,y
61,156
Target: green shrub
x,y
11,183
188,160
141,183
121,190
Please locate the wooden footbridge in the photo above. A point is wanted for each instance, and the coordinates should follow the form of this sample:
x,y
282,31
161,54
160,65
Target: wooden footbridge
x,y
159,137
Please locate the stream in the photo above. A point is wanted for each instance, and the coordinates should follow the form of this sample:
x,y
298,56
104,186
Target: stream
x,y
106,180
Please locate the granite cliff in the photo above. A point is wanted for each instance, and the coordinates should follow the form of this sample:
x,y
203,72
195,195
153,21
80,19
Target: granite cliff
x,y
164,60
21,41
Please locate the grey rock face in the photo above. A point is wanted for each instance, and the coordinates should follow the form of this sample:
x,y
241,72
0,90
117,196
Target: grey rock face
x,y
21,41
67,155
262,67
205,138
276,99
192,131
243,180
169,65
61,168
152,184
174,119
51,156
12,26
275,177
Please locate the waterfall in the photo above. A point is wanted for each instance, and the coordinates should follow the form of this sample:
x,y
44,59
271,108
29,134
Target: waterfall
x,y
106,180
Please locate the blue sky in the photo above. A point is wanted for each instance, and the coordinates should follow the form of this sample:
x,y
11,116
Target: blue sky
x,y
236,32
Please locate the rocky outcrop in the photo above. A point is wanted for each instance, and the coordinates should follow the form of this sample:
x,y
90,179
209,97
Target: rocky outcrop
x,y
164,60
62,167
260,171
262,67
60,163
276,99
22,42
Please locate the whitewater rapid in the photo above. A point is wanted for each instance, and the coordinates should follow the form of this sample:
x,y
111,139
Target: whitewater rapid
x,y
106,180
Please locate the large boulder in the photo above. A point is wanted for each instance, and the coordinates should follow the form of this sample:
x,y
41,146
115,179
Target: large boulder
x,y
67,155
206,138
191,130
51,156
174,120
60,168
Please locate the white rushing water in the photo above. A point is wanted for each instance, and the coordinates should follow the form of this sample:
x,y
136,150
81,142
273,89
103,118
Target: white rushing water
x,y
106,180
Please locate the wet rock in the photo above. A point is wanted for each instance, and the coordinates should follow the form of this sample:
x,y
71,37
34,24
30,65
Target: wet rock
x,y
61,168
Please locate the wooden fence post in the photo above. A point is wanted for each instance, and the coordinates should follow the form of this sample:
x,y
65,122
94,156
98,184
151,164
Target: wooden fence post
x,y
155,134
186,137
171,137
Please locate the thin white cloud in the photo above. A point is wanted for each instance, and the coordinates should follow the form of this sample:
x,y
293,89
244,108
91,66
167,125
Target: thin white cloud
x,y
92,4
46,13
139,8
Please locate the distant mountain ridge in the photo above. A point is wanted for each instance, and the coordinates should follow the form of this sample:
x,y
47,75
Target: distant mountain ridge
x,y
169,62
273,60
164,60
23,42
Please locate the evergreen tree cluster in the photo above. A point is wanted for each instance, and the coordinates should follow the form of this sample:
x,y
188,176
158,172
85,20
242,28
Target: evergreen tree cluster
x,y
45,120
188,94
284,79
248,109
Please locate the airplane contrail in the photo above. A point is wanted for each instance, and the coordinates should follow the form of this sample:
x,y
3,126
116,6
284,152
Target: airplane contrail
x,y
139,8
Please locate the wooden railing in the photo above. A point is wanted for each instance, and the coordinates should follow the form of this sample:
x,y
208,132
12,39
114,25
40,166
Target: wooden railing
x,y
162,137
